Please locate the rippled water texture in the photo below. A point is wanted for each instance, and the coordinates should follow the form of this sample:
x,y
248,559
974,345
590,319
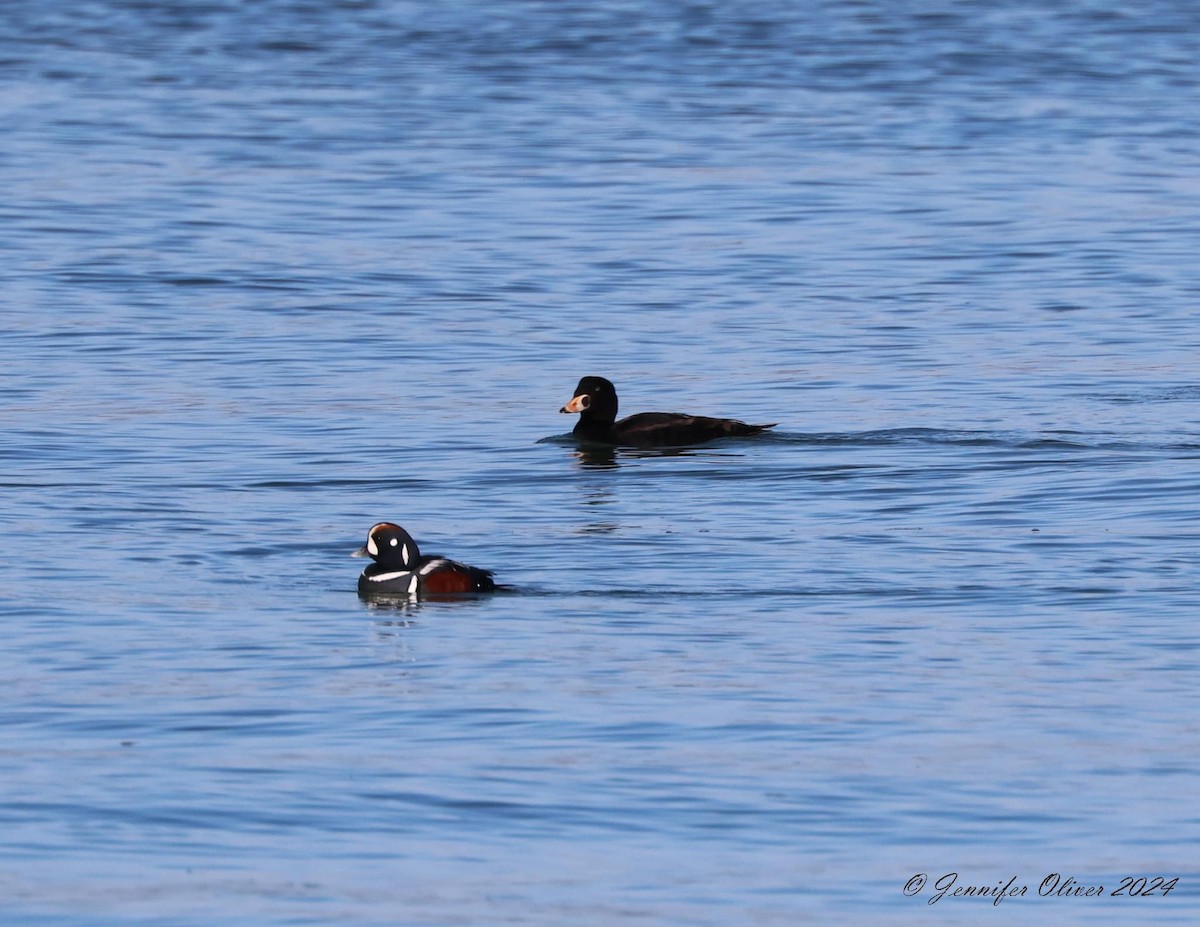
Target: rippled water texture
x,y
275,271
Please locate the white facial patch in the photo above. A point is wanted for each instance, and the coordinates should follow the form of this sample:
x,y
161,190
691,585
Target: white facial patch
x,y
404,554
372,548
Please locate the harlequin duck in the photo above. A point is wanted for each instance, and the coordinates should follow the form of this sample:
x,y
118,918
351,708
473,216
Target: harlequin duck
x,y
401,569
596,402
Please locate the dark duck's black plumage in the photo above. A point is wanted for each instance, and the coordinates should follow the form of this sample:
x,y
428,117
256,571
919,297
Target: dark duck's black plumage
x,y
595,400
401,569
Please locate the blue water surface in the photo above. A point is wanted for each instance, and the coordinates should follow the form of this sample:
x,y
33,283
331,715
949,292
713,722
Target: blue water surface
x,y
273,272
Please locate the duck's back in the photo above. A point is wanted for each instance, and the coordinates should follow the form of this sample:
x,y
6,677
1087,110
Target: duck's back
x,y
429,575
675,429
